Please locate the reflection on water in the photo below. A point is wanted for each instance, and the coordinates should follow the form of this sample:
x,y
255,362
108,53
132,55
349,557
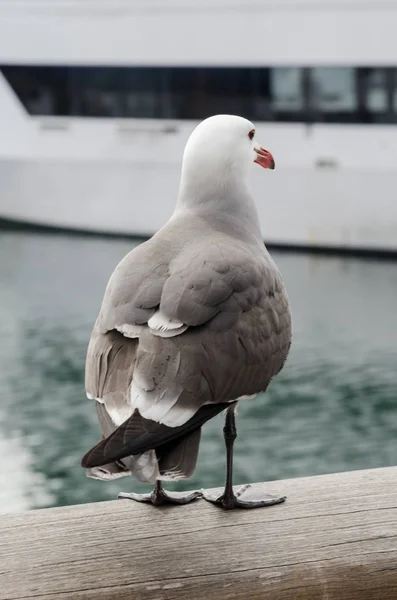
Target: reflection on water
x,y
332,409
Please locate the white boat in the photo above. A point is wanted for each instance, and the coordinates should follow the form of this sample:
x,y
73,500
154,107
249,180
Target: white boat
x,y
98,97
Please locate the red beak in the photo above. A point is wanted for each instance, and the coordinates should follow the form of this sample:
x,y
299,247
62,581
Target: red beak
x,y
264,158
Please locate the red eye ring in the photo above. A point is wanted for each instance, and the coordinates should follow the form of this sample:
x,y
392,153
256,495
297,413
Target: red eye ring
x,y
251,134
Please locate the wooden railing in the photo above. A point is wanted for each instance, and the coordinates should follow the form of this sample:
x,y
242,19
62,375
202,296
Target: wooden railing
x,y
334,539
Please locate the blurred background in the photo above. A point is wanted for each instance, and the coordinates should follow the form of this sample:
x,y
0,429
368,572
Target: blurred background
x,y
97,99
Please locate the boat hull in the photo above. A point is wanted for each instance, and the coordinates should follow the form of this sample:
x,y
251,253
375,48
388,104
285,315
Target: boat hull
x,y
345,209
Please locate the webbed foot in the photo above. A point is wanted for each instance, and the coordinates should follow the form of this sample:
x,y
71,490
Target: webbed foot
x,y
243,497
159,497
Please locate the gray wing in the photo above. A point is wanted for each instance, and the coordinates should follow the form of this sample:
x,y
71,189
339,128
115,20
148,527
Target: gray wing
x,y
233,304
239,331
153,449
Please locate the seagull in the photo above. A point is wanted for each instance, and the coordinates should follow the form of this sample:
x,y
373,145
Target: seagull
x,y
193,321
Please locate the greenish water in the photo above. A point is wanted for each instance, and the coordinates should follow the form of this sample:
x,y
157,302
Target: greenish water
x,y
332,409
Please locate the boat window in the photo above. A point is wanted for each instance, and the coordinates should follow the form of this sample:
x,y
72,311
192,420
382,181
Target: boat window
x,y
332,94
287,94
200,92
373,85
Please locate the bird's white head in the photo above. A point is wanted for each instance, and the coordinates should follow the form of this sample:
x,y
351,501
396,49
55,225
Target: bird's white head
x,y
222,148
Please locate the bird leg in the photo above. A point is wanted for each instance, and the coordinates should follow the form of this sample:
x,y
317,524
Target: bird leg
x,y
159,497
245,496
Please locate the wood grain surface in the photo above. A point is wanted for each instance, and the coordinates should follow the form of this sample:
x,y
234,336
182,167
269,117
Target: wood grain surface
x,y
334,539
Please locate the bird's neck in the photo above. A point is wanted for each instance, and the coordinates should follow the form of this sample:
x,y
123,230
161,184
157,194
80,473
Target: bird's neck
x,y
219,198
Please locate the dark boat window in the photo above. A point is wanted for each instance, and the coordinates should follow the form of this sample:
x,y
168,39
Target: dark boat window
x,y
332,94
377,95
287,94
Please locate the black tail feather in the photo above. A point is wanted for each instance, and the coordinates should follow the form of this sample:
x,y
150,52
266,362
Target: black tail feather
x,y
137,435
